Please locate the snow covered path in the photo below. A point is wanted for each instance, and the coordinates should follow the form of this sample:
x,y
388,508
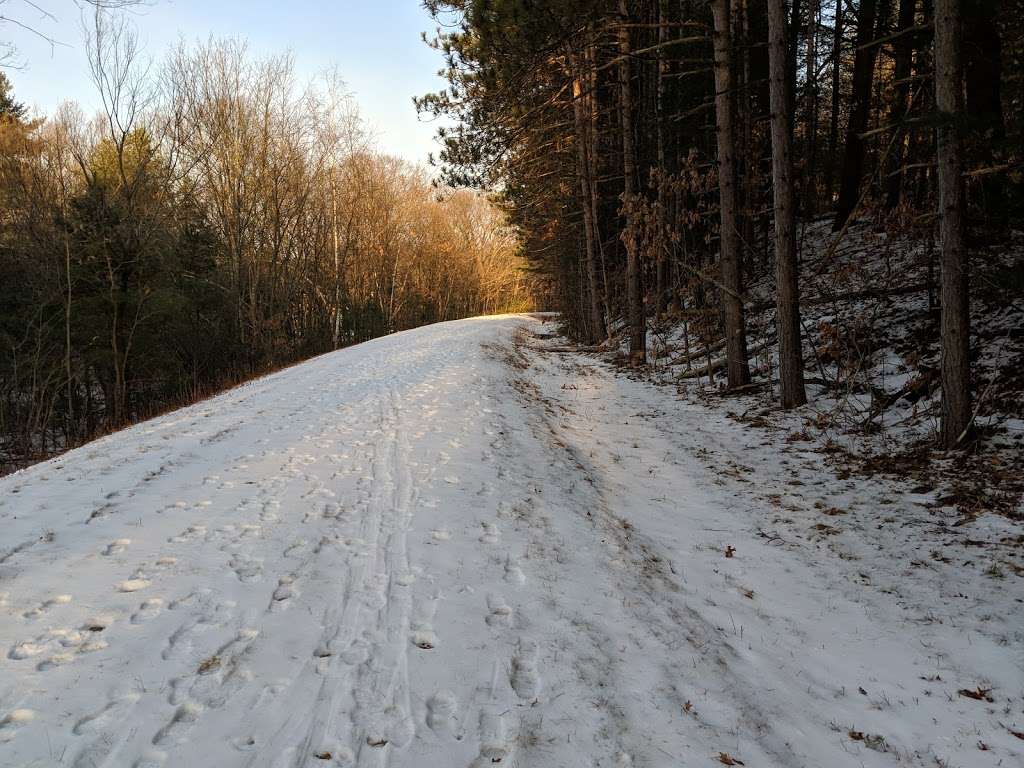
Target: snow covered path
x,y
452,547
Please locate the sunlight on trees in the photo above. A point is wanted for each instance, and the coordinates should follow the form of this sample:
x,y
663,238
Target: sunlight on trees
x,y
217,220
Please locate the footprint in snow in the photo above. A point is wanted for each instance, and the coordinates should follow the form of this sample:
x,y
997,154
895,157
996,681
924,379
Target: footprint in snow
x,y
56,660
497,743
111,713
281,598
422,624
174,732
189,599
152,758
149,609
333,752
13,722
513,573
132,585
42,608
525,679
192,533
443,714
248,569
117,546
491,534
218,677
499,611
182,641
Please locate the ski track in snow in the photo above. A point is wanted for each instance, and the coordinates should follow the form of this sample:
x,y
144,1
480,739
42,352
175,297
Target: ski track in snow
x,y
452,547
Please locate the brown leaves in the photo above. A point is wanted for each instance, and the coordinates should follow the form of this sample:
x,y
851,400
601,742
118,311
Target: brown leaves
x,y
726,759
870,740
209,665
729,552
979,694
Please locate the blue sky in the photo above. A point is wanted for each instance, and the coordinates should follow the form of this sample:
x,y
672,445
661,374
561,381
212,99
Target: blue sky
x,y
375,44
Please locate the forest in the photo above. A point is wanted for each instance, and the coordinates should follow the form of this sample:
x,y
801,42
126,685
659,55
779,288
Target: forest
x,y
217,220
771,196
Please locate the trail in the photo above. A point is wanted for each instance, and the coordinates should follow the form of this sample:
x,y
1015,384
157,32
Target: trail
x,y
464,546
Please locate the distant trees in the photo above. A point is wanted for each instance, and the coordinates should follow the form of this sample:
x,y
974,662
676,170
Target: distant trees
x,y
651,152
214,222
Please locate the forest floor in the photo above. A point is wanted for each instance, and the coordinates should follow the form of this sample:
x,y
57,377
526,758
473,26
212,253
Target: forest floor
x,y
471,544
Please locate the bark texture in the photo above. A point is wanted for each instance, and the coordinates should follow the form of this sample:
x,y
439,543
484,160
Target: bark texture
x,y
792,391
738,368
955,322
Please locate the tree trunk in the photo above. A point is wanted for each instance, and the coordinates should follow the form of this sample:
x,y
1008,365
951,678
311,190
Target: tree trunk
x,y
792,391
592,156
955,322
833,131
661,291
903,54
634,290
732,301
983,67
583,164
792,47
860,108
983,71
811,187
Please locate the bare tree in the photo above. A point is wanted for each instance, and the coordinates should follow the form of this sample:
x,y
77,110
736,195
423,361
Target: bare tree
x,y
33,17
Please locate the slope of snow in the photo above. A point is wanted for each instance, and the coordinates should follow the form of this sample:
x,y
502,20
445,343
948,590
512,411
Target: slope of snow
x,y
460,546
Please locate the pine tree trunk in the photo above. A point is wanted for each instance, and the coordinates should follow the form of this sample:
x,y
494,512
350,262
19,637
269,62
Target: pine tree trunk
x,y
983,67
596,329
661,290
634,290
793,44
955,323
833,131
902,56
811,187
983,72
792,391
590,70
732,303
860,109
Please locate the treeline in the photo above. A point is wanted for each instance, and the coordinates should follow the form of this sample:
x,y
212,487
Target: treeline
x,y
658,154
216,221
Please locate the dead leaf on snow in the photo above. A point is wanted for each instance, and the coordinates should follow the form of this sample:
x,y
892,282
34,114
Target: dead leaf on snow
x,y
979,694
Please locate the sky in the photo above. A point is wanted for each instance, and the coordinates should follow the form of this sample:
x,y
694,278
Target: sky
x,y
375,44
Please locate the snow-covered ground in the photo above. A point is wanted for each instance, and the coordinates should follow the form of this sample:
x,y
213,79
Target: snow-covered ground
x,y
465,546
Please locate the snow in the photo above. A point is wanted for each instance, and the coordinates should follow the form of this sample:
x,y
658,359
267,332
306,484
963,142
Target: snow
x,y
463,546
